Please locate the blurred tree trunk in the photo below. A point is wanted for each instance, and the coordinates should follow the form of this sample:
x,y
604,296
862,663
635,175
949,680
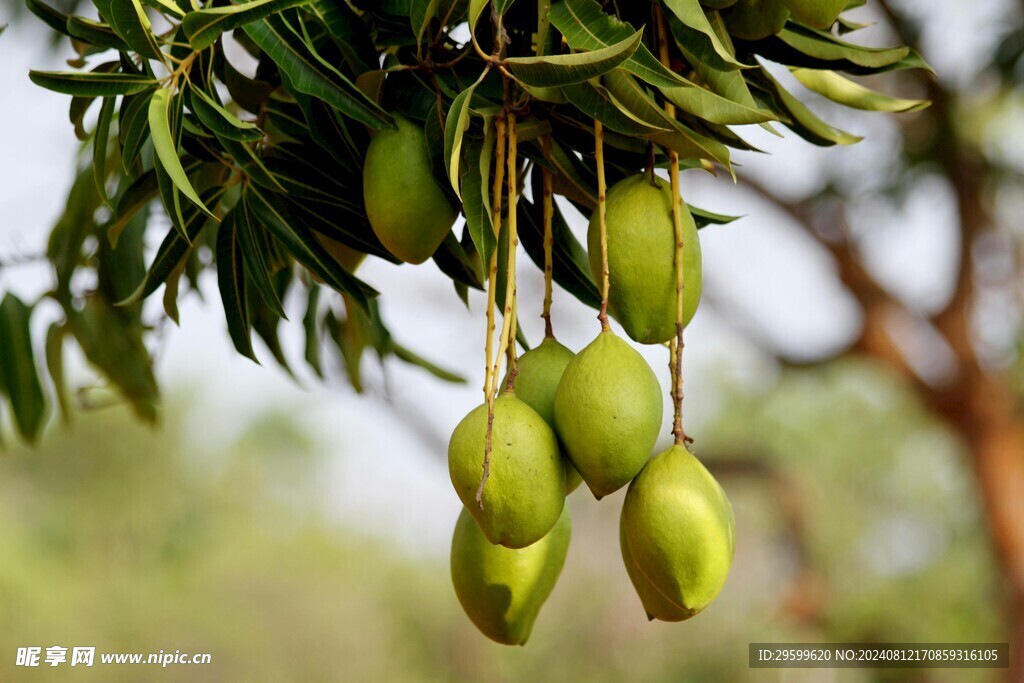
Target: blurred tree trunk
x,y
978,405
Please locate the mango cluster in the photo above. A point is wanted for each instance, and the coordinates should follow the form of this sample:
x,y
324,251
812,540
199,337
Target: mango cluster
x,y
593,417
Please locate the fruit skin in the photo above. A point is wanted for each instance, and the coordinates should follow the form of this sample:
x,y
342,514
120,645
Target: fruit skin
x,y
641,259
407,208
817,13
757,19
501,589
717,4
540,371
525,491
608,413
677,534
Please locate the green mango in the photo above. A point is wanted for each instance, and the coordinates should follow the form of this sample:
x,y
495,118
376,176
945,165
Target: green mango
x,y
717,4
408,211
641,259
540,371
608,413
655,604
501,589
677,534
817,13
756,19
525,491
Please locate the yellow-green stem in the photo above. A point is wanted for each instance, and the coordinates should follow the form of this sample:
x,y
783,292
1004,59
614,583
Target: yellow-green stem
x,y
602,221
549,241
508,325
491,369
676,348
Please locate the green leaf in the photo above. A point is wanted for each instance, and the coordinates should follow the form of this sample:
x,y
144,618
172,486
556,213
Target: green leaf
x,y
817,13
586,27
455,127
166,147
688,143
312,331
231,283
824,46
846,92
596,102
572,177
411,358
55,366
350,32
254,254
694,30
454,261
21,380
569,265
99,150
203,27
558,70
476,197
127,364
53,18
219,120
274,215
173,249
420,14
95,33
129,19
311,76
704,218
246,157
801,120
91,84
133,127
711,107
166,6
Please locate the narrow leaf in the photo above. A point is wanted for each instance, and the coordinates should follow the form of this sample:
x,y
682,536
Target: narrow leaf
x,y
203,27
844,91
17,364
557,70
231,283
312,77
91,84
167,149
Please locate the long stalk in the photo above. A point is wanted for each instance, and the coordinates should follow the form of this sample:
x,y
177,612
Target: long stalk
x,y
492,279
549,240
602,220
676,347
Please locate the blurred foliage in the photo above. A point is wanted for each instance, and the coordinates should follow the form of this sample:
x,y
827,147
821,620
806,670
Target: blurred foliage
x,y
133,541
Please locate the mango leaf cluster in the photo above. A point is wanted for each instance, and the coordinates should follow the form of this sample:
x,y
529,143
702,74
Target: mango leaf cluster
x,y
230,137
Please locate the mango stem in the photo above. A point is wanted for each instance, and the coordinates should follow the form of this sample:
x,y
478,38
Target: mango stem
x,y
602,220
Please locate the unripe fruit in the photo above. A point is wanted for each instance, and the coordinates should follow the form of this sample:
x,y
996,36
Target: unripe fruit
x,y
817,13
501,589
641,258
608,413
525,491
408,211
677,535
717,4
756,19
540,371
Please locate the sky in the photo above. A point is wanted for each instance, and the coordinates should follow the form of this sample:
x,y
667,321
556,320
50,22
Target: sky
x,y
387,449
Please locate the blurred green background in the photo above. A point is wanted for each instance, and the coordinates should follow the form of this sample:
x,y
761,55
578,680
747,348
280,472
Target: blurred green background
x,y
856,521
